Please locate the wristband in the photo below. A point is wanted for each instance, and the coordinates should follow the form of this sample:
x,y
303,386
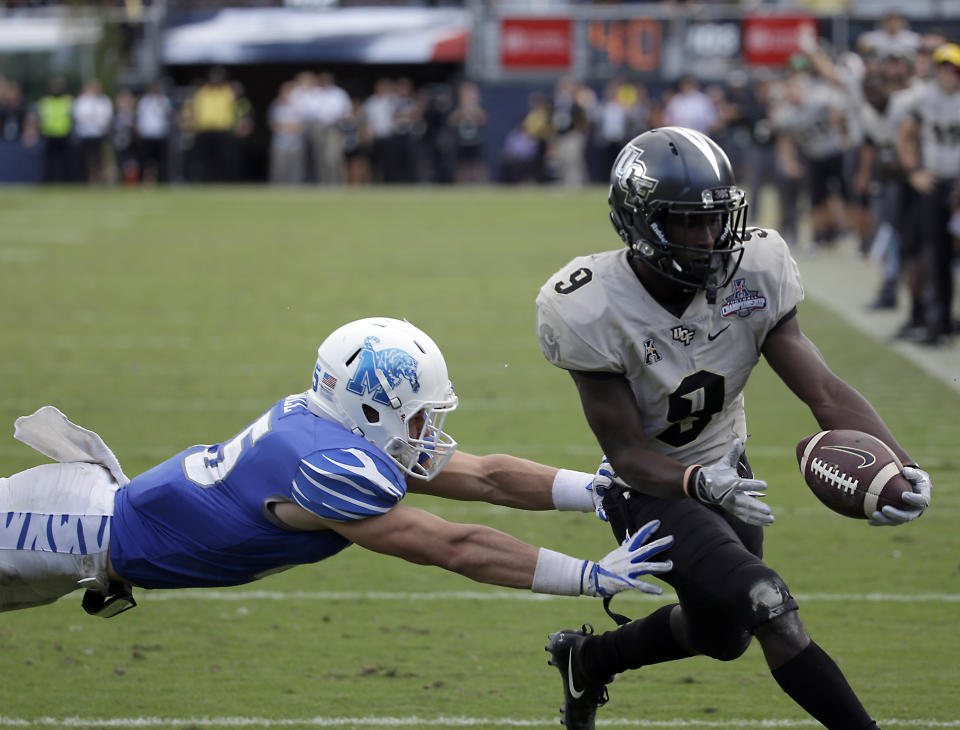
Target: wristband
x,y
571,491
690,479
559,574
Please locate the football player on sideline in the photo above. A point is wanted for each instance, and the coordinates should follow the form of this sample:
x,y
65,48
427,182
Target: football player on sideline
x,y
316,472
660,338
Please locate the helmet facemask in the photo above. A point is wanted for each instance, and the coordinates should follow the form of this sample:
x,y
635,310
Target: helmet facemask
x,y
694,267
427,447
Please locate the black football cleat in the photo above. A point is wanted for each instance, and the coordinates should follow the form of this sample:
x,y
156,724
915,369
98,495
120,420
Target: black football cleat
x,y
581,696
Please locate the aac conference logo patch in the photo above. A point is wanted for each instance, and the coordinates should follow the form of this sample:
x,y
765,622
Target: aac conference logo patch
x,y
743,300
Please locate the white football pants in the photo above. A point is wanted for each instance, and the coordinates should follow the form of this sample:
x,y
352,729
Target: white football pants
x,y
54,532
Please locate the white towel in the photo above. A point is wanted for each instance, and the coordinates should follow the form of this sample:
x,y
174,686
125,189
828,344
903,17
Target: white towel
x,y
51,433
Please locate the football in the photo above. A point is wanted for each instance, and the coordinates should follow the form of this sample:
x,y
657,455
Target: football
x,y
851,472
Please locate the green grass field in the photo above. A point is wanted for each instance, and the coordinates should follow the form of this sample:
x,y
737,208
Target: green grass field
x,y
167,318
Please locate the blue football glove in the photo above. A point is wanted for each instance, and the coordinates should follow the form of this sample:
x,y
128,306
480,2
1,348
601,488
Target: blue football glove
x,y
619,570
602,481
916,501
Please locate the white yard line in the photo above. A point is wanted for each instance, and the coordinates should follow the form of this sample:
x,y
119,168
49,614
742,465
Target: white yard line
x,y
196,594
415,721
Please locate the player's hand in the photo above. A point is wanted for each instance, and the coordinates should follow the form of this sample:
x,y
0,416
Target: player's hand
x,y
621,568
916,501
602,481
719,483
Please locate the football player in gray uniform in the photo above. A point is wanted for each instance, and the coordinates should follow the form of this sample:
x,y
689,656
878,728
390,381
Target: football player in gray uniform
x,y
660,338
928,143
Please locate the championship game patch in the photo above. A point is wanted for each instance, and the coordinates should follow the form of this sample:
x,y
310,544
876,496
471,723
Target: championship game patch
x,y
742,301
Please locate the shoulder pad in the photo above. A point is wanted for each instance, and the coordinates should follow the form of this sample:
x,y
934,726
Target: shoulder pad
x,y
346,484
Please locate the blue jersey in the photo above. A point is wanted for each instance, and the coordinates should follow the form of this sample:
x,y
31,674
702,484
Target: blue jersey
x,y
203,517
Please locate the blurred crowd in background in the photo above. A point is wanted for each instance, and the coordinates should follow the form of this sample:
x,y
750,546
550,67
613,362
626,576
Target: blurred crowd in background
x,y
863,144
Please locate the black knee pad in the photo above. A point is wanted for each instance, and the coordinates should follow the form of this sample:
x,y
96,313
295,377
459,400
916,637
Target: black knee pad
x,y
723,627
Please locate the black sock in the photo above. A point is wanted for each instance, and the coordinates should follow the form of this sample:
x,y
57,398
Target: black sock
x,y
917,316
644,641
815,682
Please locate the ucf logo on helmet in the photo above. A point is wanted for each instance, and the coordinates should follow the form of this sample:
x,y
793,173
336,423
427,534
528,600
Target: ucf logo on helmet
x,y
393,364
632,175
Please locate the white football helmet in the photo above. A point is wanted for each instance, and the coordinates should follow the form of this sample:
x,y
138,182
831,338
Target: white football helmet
x,y
386,380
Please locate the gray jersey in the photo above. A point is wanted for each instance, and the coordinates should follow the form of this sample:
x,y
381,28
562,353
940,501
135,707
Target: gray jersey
x,y
813,124
938,115
687,373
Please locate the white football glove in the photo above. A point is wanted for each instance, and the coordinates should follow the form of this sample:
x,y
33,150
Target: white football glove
x,y
620,568
602,481
917,500
719,483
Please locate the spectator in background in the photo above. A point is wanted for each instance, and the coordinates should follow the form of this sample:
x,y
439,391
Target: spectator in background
x,y
468,121
287,145
570,120
691,107
357,145
330,104
213,114
538,126
13,112
518,157
845,77
738,132
878,180
243,126
55,124
763,170
123,138
812,138
891,37
154,118
378,111
439,142
402,161
620,117
92,118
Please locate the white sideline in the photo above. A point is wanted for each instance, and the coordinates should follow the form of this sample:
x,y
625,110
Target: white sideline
x,y
845,283
414,721
196,594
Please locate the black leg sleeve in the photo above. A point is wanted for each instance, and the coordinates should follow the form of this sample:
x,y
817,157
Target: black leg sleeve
x,y
647,640
814,681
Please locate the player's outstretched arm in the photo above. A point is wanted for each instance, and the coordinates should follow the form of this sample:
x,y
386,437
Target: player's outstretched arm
x,y
509,481
491,556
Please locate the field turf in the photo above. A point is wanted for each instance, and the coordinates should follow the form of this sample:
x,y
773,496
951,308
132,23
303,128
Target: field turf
x,y
167,318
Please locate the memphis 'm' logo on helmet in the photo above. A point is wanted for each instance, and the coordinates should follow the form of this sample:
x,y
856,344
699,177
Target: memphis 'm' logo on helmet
x,y
632,176
394,364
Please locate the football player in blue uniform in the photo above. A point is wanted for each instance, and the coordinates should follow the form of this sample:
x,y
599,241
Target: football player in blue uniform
x,y
660,338
316,472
